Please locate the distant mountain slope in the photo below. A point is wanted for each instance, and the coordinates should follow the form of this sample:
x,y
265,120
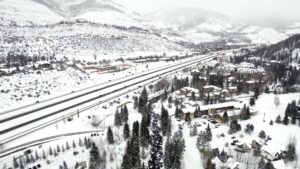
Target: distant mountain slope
x,y
26,13
43,12
82,41
200,25
287,50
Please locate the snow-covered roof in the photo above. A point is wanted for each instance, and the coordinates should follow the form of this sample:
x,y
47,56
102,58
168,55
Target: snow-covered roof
x,y
220,105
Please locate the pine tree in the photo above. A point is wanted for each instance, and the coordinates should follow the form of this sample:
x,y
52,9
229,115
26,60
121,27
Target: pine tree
x,y
110,136
80,142
261,164
65,165
252,101
94,157
208,133
156,145
286,120
267,90
44,155
278,119
271,122
58,148
269,165
15,163
223,156
291,151
74,144
202,140
177,112
37,155
135,103
248,114
125,114
144,131
293,120
256,93
127,161
21,164
143,100
209,164
67,145
32,158
249,128
262,134
103,160
50,151
194,131
126,131
55,153
164,121
173,151
234,127
135,129
243,113
225,117
118,120
27,160
62,148
76,165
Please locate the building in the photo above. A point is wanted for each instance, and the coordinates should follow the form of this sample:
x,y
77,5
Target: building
x,y
213,109
242,147
188,109
213,94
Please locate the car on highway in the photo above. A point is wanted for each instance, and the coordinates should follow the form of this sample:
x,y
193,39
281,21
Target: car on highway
x,y
37,101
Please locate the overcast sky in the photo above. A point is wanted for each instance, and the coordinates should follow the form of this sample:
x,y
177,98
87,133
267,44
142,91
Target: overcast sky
x,y
284,9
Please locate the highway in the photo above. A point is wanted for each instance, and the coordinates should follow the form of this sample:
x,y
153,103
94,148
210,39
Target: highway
x,y
28,119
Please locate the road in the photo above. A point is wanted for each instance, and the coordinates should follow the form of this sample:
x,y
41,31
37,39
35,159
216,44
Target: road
x,y
26,120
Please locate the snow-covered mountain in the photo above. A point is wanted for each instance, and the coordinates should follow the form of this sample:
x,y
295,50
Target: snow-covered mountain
x,y
43,12
200,25
79,29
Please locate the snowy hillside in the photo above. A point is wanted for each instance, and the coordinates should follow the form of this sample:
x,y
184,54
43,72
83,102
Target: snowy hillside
x,y
26,13
200,25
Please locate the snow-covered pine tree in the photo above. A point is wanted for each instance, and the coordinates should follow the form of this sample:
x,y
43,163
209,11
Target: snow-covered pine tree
x,y
125,114
94,157
164,121
110,136
144,131
225,117
269,165
126,131
156,145
15,163
278,119
261,164
118,120
208,133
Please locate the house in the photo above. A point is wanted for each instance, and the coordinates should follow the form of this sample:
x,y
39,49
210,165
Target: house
x,y
188,110
213,109
82,165
271,154
255,145
242,147
213,94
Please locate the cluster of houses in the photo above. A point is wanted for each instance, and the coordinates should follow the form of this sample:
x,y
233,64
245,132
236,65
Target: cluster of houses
x,y
187,99
15,67
244,77
257,147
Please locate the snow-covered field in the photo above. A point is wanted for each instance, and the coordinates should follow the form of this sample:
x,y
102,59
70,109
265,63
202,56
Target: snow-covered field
x,y
22,89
